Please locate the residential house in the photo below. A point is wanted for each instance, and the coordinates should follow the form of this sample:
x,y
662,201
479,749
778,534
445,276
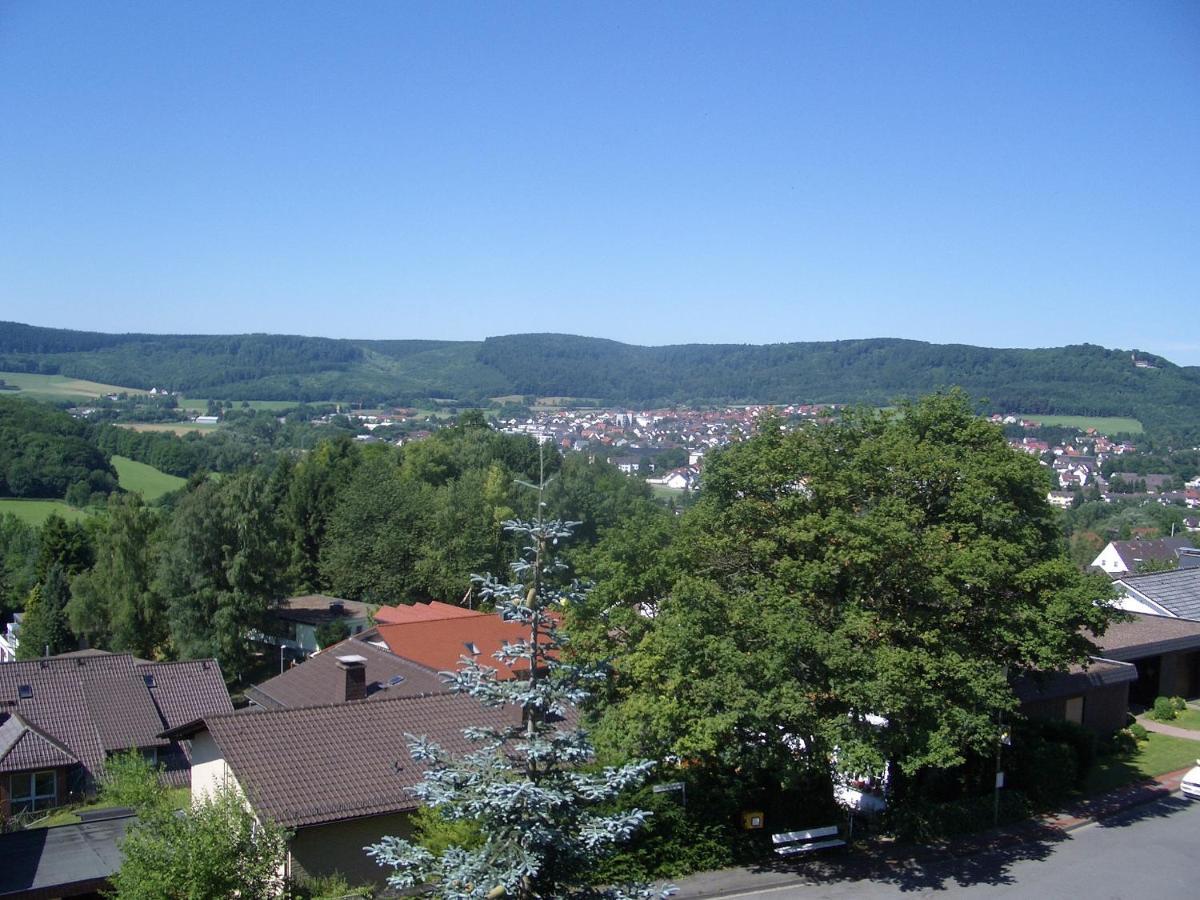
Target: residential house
x,y
338,776
1174,593
1129,557
1138,660
296,620
62,716
11,639
351,670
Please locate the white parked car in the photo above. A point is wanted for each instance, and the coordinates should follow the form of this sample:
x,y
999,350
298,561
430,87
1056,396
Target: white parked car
x,y
1191,782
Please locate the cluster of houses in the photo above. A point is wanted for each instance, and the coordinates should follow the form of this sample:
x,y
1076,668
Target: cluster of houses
x,y
320,748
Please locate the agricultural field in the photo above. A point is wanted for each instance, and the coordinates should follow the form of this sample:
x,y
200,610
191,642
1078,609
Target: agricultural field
x,y
199,405
1102,424
59,387
35,512
179,428
145,480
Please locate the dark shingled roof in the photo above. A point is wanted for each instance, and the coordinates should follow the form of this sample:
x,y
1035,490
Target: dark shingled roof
x,y
1176,591
319,680
184,691
1076,680
1148,635
23,747
93,704
1133,553
67,860
341,761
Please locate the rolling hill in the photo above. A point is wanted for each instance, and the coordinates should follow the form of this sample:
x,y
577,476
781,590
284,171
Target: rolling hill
x,y
1080,379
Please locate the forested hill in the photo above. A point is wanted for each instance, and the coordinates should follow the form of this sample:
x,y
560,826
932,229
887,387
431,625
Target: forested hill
x,y
1081,379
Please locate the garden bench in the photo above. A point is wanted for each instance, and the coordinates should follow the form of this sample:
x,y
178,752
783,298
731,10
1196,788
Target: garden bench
x,y
789,843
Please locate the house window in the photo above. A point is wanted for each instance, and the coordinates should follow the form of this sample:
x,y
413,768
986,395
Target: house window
x,y
32,791
1074,710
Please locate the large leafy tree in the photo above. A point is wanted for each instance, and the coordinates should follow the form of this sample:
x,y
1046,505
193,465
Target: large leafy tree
x,y
899,564
221,567
113,604
525,788
44,627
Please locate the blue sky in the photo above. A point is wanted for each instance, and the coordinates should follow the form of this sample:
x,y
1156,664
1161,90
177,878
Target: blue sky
x,y
1003,174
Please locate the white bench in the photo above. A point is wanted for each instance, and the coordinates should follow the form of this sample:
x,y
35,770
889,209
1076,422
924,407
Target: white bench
x,y
789,843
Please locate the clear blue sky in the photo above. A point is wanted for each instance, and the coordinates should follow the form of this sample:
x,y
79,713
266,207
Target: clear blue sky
x,y
1004,174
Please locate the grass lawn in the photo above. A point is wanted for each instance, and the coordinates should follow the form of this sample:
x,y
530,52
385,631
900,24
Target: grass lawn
x,y
146,480
59,387
1103,424
35,512
1162,753
1189,718
180,798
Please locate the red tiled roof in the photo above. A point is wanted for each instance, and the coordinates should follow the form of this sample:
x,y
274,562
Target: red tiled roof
x,y
422,612
442,644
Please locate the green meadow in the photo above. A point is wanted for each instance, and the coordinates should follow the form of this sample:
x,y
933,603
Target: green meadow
x,y
59,387
1102,424
35,512
145,480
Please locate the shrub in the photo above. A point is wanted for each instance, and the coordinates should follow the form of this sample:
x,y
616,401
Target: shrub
x,y
1164,710
1139,732
131,780
328,887
1179,703
924,822
1122,743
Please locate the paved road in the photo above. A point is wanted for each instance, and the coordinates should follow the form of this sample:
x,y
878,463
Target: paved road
x,y
1152,851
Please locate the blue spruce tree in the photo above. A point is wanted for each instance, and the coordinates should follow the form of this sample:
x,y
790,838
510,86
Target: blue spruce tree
x,y
526,786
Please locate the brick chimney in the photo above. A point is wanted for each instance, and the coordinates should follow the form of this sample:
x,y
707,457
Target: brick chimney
x,y
355,670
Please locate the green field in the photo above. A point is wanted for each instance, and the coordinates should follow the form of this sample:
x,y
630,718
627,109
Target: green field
x,y
35,512
1103,424
146,480
59,387
179,428
197,404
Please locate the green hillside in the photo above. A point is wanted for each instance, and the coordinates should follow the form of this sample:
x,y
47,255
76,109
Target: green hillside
x,y
145,480
1081,380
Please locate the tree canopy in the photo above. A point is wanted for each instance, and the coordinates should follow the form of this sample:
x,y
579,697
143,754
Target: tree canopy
x,y
896,567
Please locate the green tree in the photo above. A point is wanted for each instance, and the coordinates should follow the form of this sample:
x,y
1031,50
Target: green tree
x,y
899,564
44,627
216,849
221,568
540,829
113,604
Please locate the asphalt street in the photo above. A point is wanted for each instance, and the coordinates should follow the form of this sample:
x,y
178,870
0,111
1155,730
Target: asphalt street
x,y
1151,851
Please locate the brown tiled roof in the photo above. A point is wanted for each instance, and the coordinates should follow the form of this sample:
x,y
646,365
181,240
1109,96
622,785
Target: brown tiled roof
x,y
422,612
23,747
319,680
1148,635
341,761
184,691
93,704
